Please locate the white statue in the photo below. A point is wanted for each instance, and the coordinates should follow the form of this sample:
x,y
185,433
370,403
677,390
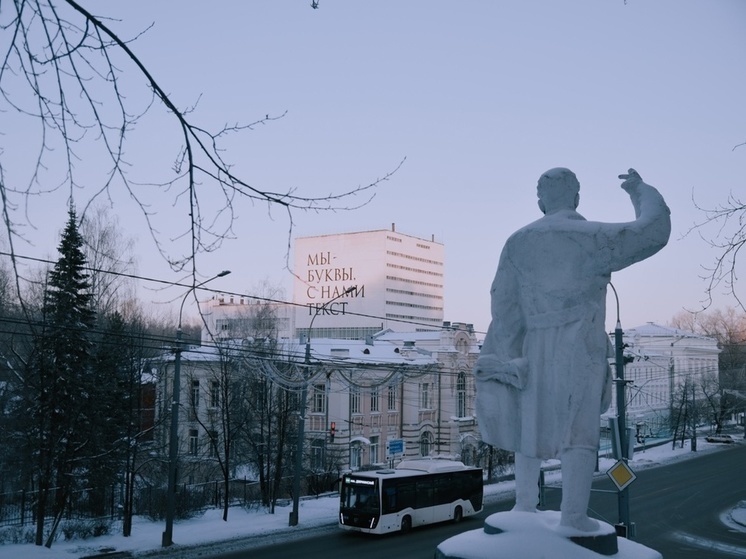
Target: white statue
x,y
543,375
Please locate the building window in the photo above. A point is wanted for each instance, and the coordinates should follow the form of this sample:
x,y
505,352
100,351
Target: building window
x,y
374,446
317,455
374,400
195,394
426,443
356,456
214,451
354,400
319,398
215,394
193,442
461,394
425,396
392,398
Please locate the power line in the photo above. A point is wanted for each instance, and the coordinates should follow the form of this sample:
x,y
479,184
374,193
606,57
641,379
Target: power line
x,y
229,293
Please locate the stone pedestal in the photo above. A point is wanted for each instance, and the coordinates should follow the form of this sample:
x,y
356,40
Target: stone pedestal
x,y
538,535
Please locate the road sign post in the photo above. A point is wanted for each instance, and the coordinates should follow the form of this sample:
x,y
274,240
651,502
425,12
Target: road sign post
x,y
394,449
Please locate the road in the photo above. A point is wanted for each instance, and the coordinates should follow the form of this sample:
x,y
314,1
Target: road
x,y
676,510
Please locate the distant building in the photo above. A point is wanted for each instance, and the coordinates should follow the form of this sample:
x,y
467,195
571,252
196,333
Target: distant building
x,y
398,281
661,361
238,317
410,388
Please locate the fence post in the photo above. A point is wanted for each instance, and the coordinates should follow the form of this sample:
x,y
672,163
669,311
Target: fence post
x,y
23,507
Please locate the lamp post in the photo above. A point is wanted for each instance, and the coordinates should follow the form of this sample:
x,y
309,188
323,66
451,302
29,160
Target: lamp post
x,y
621,385
173,442
293,521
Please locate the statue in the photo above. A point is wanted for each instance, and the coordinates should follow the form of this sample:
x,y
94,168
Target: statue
x,y
543,376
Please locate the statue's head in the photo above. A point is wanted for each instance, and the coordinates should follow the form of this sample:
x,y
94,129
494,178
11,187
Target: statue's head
x,y
558,189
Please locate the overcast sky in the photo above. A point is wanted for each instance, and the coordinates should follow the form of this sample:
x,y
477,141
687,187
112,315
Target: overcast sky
x,y
479,97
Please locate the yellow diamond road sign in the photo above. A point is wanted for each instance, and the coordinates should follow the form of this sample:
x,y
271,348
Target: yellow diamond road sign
x,y
621,474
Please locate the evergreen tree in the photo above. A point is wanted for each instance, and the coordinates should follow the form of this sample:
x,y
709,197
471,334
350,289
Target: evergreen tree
x,y
114,395
59,385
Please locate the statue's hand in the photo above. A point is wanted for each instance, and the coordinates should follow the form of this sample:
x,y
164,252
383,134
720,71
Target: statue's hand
x,y
513,372
631,180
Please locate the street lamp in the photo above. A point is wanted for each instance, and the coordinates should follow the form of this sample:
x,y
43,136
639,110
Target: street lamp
x,y
621,401
302,419
173,442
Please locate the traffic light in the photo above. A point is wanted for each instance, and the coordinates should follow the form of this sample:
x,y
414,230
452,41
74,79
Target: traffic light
x,y
332,431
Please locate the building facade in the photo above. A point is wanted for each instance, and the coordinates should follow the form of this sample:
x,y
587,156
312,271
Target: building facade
x,y
398,283
661,362
230,317
369,403
411,392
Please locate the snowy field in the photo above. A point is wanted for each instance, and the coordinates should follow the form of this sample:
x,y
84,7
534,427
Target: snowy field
x,y
246,528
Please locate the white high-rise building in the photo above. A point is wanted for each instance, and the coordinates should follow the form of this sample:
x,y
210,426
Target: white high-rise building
x,y
397,282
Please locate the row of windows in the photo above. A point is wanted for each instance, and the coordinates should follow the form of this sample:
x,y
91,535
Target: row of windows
x,y
413,293
319,397
375,451
410,257
413,306
341,333
194,446
415,282
415,270
375,396
214,394
392,316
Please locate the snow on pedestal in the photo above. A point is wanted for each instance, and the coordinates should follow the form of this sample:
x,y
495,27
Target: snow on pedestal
x,y
538,535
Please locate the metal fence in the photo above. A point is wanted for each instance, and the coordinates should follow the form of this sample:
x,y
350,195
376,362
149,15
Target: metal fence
x,y
18,508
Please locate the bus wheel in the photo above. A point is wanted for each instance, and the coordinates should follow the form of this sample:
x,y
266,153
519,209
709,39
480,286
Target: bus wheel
x,y
406,524
458,515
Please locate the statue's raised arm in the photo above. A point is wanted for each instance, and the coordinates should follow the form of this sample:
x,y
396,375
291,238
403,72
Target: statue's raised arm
x,y
650,230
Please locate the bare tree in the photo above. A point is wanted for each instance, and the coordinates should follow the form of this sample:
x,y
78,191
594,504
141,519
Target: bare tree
x,y
68,74
727,326
724,229
724,392
110,258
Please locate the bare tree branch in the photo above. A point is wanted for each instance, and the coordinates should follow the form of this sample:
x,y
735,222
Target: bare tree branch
x,y
728,220
86,91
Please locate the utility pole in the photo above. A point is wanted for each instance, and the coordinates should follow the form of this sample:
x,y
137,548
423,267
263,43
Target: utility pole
x,y
293,520
694,418
621,395
621,385
173,444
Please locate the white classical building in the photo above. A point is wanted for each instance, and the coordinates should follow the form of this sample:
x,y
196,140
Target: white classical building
x,y
414,390
398,283
411,393
661,360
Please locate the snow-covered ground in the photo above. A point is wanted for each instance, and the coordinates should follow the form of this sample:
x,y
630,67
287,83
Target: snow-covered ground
x,y
245,528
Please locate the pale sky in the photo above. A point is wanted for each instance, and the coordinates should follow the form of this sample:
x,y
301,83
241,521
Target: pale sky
x,y
480,98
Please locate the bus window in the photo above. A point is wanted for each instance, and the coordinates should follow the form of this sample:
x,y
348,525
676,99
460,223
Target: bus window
x,y
360,496
389,504
406,495
425,497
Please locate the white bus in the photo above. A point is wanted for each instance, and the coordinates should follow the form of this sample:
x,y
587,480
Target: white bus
x,y
417,492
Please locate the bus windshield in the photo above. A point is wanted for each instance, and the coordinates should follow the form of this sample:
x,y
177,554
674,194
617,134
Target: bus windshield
x,y
360,494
